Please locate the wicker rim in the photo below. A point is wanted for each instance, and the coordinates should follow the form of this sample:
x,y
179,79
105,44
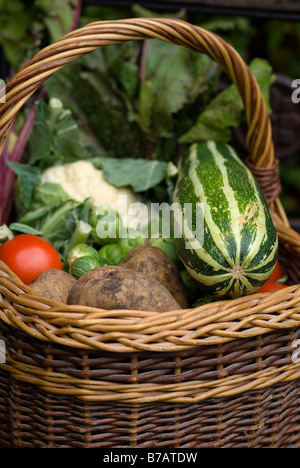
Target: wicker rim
x,y
127,331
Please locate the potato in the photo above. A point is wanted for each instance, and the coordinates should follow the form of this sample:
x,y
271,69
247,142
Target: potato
x,y
114,287
54,284
154,262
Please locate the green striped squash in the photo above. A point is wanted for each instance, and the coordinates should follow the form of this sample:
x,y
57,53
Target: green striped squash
x,y
228,242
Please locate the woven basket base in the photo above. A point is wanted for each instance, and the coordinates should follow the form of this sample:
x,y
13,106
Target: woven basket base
x,y
262,417
30,418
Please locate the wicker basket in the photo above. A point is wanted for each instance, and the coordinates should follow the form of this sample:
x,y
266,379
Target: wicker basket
x,y
221,375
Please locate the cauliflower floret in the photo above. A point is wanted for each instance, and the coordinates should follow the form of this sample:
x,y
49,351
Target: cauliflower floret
x,y
82,180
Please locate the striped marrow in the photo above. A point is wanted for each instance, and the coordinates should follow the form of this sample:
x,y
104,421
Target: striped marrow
x,y
228,242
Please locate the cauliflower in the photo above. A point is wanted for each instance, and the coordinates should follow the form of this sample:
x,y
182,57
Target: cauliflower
x,y
82,180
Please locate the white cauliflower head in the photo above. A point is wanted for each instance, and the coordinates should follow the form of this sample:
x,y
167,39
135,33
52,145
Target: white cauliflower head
x,y
81,180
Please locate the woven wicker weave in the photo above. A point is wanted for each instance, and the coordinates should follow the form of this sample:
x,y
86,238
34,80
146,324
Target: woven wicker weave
x,y
221,375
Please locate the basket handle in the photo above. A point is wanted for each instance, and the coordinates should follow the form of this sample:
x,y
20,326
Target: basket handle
x,y
96,35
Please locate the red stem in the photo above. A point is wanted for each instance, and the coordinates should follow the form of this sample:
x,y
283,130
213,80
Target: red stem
x,y
77,15
8,181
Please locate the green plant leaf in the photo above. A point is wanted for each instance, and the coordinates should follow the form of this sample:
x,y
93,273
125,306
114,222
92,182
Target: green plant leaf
x,y
28,178
41,140
139,174
15,37
167,68
263,73
226,109
58,16
215,122
47,194
55,137
24,229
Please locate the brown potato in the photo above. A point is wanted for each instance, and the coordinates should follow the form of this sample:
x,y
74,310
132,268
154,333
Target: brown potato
x,y
154,262
114,287
54,284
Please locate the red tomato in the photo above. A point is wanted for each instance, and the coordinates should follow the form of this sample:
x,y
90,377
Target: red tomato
x,y
28,256
272,283
270,287
277,274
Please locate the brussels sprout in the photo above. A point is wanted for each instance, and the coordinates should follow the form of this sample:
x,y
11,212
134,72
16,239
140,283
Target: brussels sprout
x,y
106,225
81,250
112,254
192,289
82,265
133,239
168,246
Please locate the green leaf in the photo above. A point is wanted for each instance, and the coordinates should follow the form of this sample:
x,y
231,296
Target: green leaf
x,y
63,223
226,109
59,222
47,194
99,105
124,68
175,77
216,121
35,217
25,229
41,140
15,30
167,68
67,139
262,71
58,16
140,174
15,36
28,177
55,137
